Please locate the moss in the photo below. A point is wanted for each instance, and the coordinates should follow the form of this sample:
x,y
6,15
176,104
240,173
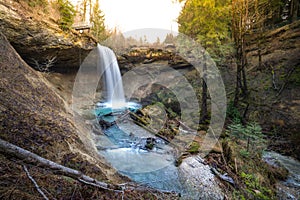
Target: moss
x,y
36,3
255,188
295,77
193,147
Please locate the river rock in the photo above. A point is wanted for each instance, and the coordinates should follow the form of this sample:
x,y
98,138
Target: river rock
x,y
198,180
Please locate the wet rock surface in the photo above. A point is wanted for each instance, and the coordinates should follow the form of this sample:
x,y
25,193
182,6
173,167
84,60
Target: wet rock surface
x,y
289,188
198,177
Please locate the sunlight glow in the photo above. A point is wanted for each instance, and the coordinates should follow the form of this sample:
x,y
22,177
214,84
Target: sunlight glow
x,y
128,15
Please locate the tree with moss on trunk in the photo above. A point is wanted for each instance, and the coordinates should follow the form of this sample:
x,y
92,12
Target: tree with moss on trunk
x,y
240,26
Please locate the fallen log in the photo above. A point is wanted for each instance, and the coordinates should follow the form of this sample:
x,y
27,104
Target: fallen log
x,y
7,148
29,157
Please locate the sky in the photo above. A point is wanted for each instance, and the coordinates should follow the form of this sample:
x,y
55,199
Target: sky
x,y
128,15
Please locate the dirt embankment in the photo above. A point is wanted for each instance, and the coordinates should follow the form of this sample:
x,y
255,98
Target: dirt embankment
x,y
274,84
32,116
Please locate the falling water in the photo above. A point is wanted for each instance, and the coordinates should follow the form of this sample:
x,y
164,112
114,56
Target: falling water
x,y
113,81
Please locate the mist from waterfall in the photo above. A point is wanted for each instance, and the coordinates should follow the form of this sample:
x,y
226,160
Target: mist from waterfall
x,y
110,71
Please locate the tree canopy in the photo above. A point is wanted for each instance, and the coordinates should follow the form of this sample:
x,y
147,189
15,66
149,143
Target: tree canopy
x,y
208,22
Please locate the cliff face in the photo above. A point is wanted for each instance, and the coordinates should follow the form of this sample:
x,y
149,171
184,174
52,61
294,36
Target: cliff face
x,y
38,39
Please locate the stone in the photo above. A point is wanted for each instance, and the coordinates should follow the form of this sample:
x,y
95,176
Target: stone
x,y
150,142
199,181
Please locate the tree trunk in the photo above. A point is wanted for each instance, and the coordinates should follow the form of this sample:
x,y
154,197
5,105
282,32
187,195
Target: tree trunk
x,y
90,16
84,10
238,73
295,5
238,85
204,113
243,71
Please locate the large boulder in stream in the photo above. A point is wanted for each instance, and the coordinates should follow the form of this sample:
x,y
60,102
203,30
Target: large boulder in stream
x,y
198,179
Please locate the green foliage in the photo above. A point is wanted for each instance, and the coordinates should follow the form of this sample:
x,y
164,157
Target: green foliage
x,y
208,22
255,188
171,113
244,153
233,113
67,14
35,3
251,134
97,19
169,38
237,195
193,147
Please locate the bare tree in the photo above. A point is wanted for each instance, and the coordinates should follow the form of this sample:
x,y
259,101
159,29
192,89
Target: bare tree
x,y
45,65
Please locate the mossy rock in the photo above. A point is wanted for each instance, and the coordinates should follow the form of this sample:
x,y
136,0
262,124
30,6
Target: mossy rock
x,y
228,151
193,147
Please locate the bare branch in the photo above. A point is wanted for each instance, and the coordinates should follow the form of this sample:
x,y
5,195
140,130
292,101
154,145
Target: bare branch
x,y
45,66
34,183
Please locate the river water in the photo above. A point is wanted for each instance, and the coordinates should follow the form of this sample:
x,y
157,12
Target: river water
x,y
123,146
290,188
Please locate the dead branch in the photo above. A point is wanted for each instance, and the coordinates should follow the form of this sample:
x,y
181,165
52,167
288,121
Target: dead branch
x,y
29,157
7,148
218,142
45,66
274,80
186,127
286,82
34,183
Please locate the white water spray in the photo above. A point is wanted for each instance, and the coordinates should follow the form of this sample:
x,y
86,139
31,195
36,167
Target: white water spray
x,y
113,81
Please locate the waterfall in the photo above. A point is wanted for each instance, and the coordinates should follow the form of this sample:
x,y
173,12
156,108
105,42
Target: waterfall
x,y
110,71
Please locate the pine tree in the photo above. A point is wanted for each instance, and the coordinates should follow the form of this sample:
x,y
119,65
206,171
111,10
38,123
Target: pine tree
x,y
169,38
207,22
98,26
67,14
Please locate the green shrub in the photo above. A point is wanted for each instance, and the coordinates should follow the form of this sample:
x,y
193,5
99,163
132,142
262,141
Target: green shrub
x,y
193,147
255,188
35,3
251,134
67,14
233,113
